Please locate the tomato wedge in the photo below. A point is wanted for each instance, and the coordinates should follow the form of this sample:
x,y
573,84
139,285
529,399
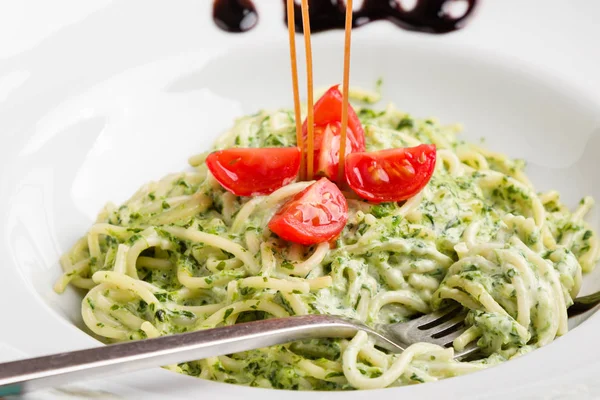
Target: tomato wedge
x,y
390,175
254,171
327,122
327,158
316,215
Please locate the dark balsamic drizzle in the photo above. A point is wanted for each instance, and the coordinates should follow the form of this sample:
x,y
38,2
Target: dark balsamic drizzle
x,y
429,16
235,15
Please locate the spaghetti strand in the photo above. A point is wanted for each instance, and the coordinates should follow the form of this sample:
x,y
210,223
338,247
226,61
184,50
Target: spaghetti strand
x,y
346,90
294,68
309,92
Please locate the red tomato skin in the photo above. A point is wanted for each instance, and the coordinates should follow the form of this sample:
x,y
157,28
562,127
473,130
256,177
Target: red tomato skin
x,y
317,214
328,109
328,114
390,175
327,159
254,171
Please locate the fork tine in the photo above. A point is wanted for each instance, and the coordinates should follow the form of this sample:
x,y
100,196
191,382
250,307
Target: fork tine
x,y
438,330
446,341
440,327
436,317
470,349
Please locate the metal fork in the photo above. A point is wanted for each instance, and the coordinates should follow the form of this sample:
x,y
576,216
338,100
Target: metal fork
x,y
440,327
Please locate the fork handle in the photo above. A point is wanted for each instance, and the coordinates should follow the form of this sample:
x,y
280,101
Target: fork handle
x,y
21,376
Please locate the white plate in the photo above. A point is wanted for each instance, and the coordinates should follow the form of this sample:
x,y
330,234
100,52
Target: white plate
x,y
97,98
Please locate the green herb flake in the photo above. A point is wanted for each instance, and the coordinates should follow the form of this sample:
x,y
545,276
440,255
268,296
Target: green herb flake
x,y
287,265
383,209
405,122
134,239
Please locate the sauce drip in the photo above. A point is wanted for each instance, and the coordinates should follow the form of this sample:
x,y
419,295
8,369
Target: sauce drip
x,y
429,16
235,15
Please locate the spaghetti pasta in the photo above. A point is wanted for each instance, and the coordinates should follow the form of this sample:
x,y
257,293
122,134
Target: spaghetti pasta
x,y
184,254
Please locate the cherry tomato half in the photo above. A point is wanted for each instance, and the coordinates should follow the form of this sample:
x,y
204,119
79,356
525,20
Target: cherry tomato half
x,y
327,122
315,215
390,175
327,158
254,171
